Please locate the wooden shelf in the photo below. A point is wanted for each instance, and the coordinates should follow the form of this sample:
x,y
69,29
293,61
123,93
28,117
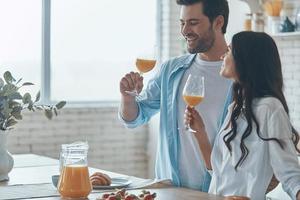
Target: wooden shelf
x,y
288,34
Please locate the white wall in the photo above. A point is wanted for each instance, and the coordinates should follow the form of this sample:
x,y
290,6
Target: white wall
x,y
237,13
289,49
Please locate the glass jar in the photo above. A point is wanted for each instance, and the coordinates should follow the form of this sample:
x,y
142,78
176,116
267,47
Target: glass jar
x,y
74,181
62,155
297,19
258,22
247,22
273,24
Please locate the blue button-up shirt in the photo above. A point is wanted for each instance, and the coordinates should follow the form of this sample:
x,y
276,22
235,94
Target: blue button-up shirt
x,y
161,96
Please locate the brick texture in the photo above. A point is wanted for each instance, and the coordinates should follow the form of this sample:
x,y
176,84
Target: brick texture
x,y
289,50
112,147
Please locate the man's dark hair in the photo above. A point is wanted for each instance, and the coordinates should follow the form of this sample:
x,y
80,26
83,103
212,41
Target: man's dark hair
x,y
211,8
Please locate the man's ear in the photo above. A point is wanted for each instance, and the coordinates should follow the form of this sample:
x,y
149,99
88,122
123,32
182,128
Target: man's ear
x,y
218,23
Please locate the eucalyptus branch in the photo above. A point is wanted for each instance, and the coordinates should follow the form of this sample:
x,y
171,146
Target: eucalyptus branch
x,y
12,103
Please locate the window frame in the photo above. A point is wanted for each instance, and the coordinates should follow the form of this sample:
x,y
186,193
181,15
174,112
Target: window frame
x,y
46,58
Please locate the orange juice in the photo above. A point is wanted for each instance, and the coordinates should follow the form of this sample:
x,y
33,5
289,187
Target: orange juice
x,y
192,100
74,182
144,65
236,198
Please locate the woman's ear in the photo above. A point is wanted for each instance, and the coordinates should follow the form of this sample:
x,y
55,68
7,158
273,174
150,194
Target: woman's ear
x,y
218,23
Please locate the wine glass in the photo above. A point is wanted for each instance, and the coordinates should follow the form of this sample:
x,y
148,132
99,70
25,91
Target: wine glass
x,y
144,62
193,93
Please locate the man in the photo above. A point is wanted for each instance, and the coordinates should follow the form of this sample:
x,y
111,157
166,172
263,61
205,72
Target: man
x,y
203,25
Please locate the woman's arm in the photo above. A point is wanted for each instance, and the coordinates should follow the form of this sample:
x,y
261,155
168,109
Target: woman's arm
x,y
284,160
193,118
205,147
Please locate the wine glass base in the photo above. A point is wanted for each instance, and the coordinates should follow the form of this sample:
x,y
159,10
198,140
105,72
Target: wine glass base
x,y
186,130
190,130
132,93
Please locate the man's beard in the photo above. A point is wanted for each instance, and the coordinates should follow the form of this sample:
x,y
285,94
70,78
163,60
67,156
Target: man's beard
x,y
204,43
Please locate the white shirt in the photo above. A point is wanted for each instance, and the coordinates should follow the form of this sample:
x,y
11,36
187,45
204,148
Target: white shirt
x,y
264,158
191,164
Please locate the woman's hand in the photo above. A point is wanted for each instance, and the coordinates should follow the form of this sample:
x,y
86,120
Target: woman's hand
x,y
193,118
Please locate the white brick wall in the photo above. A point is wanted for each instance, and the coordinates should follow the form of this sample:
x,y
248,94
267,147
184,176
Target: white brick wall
x,y
289,49
171,39
112,147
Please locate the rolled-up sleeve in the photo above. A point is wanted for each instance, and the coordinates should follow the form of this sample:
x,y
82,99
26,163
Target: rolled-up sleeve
x,y
132,124
284,161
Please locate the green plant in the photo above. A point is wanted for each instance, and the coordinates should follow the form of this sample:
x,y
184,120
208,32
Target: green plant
x,y
12,103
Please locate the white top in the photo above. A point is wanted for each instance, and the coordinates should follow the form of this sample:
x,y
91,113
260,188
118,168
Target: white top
x,y
264,158
191,164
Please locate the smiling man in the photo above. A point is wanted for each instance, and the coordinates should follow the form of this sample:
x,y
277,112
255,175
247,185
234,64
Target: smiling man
x,y
203,25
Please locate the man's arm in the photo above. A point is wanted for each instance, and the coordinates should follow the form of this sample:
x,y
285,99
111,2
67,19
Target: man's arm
x,y
128,109
134,112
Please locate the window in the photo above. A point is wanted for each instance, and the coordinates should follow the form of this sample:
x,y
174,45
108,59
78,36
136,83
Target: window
x,y
74,49
20,39
94,43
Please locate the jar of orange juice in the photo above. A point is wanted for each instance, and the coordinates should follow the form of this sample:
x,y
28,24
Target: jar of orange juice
x,y
74,181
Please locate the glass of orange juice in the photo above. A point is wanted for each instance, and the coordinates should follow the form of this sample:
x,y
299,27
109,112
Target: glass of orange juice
x,y
74,181
144,62
193,92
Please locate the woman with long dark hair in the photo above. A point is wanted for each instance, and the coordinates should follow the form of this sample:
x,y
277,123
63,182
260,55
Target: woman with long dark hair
x,y
256,139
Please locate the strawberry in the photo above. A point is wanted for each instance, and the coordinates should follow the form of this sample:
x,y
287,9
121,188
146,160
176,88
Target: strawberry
x,y
112,197
148,197
129,197
105,196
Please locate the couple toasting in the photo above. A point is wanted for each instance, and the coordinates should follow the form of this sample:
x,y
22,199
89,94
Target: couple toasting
x,y
243,132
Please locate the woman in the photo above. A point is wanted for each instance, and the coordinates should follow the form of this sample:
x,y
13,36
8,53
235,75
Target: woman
x,y
256,139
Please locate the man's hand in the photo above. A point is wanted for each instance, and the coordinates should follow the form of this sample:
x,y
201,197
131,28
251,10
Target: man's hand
x,y
131,81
